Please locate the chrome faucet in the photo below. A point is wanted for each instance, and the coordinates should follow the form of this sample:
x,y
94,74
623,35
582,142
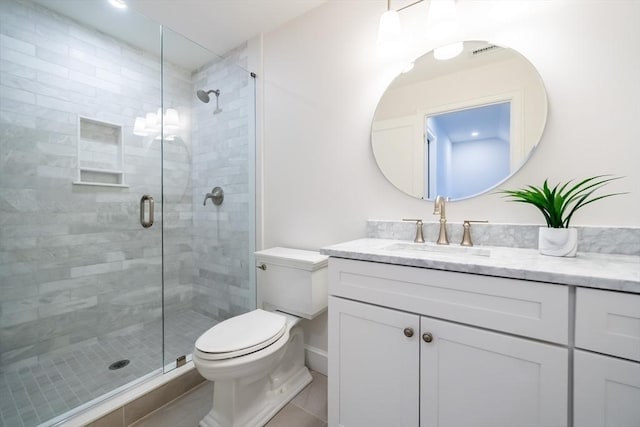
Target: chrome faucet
x,y
419,236
439,209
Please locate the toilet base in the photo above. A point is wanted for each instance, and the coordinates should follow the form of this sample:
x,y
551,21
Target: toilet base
x,y
265,407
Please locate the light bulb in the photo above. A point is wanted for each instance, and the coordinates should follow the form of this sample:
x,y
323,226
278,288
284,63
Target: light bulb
x,y
408,67
171,120
140,127
389,29
151,121
119,4
449,51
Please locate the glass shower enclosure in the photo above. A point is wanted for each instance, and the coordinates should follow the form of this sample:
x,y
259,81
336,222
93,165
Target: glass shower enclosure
x,y
111,262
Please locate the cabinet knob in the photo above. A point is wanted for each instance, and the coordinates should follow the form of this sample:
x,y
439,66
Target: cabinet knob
x,y
408,332
427,337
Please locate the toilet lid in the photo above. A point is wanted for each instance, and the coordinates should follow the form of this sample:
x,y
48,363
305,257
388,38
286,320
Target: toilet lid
x,y
242,335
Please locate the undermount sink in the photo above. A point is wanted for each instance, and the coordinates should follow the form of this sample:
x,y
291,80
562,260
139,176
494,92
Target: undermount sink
x,y
426,247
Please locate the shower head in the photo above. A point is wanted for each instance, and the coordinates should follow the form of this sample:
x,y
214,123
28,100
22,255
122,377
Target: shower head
x,y
204,95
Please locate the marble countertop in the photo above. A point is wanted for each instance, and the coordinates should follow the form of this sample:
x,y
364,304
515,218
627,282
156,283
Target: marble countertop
x,y
594,270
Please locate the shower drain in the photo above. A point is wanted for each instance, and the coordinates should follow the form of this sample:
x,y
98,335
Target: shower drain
x,y
119,364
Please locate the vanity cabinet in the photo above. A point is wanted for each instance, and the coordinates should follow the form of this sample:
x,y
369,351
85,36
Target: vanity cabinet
x,y
607,359
418,347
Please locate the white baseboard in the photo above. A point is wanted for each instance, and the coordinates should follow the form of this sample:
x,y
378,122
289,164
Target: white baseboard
x,y
316,359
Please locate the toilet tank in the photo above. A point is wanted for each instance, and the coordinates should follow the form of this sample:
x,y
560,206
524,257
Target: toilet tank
x,y
293,281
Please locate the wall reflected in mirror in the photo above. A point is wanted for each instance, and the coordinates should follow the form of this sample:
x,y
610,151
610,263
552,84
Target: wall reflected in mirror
x,y
459,128
475,143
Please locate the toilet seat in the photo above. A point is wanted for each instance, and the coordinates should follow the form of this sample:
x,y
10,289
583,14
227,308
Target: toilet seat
x,y
241,335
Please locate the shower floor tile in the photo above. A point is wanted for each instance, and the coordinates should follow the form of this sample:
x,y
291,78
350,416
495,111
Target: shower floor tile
x,y
71,376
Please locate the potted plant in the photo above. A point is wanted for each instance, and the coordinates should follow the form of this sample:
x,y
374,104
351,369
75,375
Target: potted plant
x,y
558,205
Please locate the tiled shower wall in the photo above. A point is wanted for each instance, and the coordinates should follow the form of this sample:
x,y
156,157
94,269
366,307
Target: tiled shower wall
x,y
222,147
74,261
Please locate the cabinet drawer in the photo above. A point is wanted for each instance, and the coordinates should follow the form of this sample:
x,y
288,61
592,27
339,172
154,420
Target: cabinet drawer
x,y
531,309
608,322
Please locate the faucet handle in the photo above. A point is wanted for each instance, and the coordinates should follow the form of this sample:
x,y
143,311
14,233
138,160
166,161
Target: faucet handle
x,y
466,235
419,237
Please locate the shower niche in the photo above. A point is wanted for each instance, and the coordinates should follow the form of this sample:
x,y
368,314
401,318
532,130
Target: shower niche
x,y
100,153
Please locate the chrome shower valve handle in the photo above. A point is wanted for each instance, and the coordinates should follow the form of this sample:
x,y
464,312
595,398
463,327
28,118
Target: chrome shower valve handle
x,y
217,195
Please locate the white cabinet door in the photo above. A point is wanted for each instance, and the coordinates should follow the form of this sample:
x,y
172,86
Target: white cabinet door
x,y
606,391
475,378
373,366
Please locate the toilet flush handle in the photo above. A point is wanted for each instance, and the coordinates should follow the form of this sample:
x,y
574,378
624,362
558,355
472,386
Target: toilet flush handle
x,y
262,266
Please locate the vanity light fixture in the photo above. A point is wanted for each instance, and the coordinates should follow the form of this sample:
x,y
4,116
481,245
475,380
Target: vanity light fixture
x,y
389,31
118,4
442,21
442,24
150,124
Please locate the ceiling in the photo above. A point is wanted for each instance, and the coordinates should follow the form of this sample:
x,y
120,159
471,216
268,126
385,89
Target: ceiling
x,y
221,25
488,121
217,26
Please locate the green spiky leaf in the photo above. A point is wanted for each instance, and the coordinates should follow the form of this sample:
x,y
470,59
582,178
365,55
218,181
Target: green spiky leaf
x,y
560,203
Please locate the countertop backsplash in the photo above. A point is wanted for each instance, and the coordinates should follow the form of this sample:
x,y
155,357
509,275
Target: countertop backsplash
x,y
604,240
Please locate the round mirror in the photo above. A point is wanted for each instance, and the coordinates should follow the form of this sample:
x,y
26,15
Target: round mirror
x,y
459,127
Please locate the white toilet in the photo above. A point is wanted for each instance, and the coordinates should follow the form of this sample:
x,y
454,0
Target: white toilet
x,y
256,360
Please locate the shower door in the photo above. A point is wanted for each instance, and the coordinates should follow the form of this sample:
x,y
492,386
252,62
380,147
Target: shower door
x,y
208,242
80,265
111,263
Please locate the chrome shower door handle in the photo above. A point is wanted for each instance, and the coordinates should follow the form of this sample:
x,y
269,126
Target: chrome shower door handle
x,y
149,223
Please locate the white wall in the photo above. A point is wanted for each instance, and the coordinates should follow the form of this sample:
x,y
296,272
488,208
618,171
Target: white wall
x,y
478,165
322,81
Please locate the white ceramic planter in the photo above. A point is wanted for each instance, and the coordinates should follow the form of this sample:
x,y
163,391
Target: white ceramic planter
x,y
558,241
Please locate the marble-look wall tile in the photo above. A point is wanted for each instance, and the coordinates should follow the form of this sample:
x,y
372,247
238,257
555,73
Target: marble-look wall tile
x,y
74,261
221,158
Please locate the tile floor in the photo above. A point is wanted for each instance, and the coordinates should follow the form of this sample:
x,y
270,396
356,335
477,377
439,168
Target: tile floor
x,y
307,409
64,379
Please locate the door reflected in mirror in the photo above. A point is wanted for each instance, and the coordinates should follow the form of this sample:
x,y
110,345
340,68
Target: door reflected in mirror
x,y
475,143
459,128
